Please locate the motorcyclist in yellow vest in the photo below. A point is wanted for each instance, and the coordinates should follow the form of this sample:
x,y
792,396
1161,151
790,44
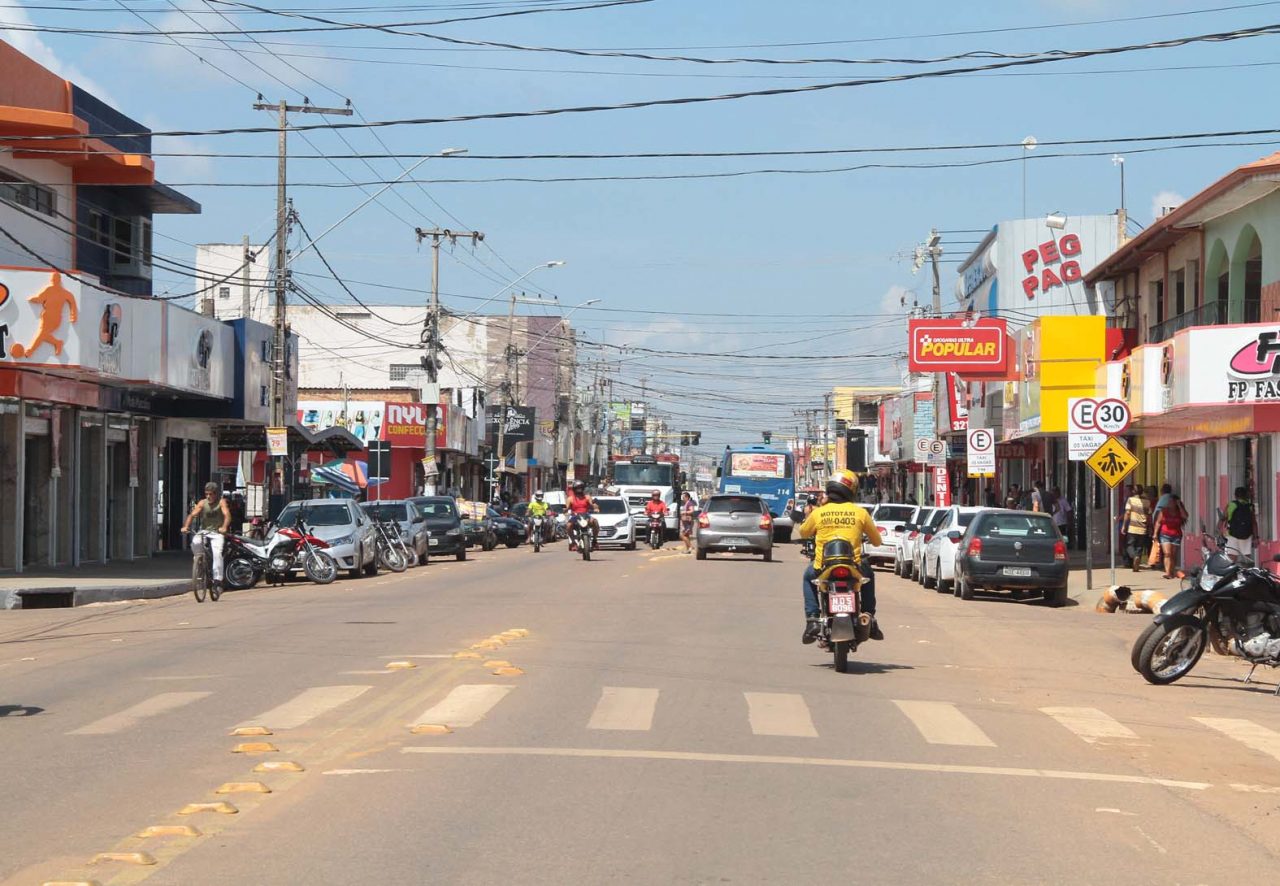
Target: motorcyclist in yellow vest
x,y
839,518
537,508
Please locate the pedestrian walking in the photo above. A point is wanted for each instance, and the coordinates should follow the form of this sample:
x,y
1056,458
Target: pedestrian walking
x,y
688,510
1240,524
1136,527
1062,512
1037,496
1169,522
1013,498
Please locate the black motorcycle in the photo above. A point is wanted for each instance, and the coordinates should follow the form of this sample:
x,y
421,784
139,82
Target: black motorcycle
x,y
843,624
1234,607
579,533
657,529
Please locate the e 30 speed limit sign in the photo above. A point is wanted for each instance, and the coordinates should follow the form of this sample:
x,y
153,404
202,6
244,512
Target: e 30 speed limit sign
x,y
1112,416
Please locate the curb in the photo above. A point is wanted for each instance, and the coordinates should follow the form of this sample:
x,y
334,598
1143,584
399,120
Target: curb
x,y
80,596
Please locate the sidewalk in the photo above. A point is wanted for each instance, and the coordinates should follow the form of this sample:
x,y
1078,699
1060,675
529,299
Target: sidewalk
x,y
1145,580
163,575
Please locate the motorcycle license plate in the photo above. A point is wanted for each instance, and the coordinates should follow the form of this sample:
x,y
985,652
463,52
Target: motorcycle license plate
x,y
1017,571
841,603
433,542
735,542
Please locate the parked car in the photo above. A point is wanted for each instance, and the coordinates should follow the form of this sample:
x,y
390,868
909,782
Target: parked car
x,y
444,524
412,525
509,530
911,532
730,523
926,535
889,519
617,523
938,565
343,526
1012,551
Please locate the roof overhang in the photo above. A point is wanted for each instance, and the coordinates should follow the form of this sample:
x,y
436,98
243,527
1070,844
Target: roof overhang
x,y
35,134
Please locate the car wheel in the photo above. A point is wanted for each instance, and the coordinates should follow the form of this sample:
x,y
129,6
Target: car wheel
x,y
768,555
462,554
513,543
964,590
940,585
1056,597
701,554
924,574
372,569
631,545
358,569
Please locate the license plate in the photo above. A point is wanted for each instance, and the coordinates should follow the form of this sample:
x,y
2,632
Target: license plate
x,y
433,542
1017,571
841,603
735,542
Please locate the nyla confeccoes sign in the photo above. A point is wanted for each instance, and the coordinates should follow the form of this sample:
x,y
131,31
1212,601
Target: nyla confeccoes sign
x,y
957,346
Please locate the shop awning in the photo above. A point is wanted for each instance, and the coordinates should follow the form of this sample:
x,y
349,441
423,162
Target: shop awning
x,y
251,438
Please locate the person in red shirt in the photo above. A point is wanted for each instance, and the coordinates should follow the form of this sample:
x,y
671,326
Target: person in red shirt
x,y
577,502
655,505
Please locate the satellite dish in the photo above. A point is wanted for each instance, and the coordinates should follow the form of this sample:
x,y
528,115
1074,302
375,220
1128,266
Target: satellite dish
x,y
1029,143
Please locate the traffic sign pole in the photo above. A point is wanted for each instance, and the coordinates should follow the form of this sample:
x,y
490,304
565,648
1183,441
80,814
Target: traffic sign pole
x,y
1111,537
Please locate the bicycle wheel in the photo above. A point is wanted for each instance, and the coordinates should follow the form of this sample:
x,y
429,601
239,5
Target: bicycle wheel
x,y
215,592
199,577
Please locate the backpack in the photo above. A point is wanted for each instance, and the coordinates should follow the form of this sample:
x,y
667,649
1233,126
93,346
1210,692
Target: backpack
x,y
1240,525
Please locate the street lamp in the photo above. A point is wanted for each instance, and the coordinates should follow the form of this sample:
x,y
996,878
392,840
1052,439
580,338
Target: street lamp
x,y
555,263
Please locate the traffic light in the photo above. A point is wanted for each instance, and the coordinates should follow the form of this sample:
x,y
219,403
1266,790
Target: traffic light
x,y
684,439
697,436
767,435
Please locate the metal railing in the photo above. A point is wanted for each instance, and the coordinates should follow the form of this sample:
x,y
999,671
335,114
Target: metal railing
x,y
1208,314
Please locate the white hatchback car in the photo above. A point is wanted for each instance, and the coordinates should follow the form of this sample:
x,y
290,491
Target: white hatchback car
x,y
887,518
907,543
938,563
617,524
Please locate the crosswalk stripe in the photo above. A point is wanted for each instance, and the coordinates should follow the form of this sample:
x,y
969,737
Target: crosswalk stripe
x,y
465,705
1248,733
306,706
151,707
624,709
942,723
1091,724
779,713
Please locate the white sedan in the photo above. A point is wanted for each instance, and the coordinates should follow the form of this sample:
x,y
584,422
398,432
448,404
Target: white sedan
x,y
938,562
887,518
617,524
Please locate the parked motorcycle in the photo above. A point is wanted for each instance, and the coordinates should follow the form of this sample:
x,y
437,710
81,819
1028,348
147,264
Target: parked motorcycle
x,y
393,553
578,528
657,529
246,561
1234,607
843,623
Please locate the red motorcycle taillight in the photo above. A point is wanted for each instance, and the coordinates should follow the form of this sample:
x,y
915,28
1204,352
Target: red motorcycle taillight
x,y
1059,550
840,572
975,548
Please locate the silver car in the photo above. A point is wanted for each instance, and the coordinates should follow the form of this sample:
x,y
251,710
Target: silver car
x,y
410,522
343,526
731,523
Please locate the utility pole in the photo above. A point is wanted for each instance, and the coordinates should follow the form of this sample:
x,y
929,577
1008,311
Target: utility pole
x,y
246,301
278,356
933,250
828,441
508,353
431,339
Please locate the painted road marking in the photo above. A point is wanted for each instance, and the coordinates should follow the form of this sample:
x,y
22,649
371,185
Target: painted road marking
x,y
942,723
688,756
154,706
624,709
306,706
1248,733
779,713
1092,724
465,705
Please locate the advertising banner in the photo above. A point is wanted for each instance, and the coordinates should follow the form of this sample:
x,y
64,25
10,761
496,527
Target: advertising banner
x,y
759,465
519,423
958,402
363,418
278,442
957,346
941,488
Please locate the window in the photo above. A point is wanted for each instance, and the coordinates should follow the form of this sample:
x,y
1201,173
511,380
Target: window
x,y
224,292
27,194
868,413
1179,285
316,515
403,371
387,512
98,228
1157,300
728,504
131,246
894,513
1193,281
1017,526
612,505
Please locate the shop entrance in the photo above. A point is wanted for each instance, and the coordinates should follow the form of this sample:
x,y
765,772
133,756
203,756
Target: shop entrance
x,y
35,503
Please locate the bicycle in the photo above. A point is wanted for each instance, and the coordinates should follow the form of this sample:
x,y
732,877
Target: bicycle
x,y
202,570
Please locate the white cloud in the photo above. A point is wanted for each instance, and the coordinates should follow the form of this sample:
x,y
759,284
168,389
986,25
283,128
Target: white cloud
x,y
1165,199
30,45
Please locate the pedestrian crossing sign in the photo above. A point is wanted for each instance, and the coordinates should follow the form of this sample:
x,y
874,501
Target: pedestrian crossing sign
x,y
1112,461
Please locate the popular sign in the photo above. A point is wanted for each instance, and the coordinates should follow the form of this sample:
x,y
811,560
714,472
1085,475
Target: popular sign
x,y
957,346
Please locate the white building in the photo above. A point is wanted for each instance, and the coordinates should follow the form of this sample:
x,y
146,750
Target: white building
x,y
220,272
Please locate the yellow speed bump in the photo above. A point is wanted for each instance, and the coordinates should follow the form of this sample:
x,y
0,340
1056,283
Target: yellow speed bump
x,y
254,747
497,663
222,807
467,654
278,766
126,857
510,635
519,632
247,731
497,639
507,672
400,665
484,645
243,787
169,830
71,883
430,729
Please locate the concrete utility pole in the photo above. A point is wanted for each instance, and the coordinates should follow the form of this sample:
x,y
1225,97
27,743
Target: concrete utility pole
x,y
278,385
431,339
246,300
508,357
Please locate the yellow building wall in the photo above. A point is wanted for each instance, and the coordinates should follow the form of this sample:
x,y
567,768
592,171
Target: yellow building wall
x,y
1071,350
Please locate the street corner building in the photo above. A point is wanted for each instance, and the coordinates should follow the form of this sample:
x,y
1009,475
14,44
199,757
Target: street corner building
x,y
108,395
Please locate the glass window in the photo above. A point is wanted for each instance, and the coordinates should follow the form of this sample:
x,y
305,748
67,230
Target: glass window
x,y
316,515
963,520
1017,526
436,507
612,505
894,513
727,504
394,512
27,194
224,292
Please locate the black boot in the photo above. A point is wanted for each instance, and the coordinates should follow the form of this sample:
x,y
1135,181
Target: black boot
x,y
811,629
876,633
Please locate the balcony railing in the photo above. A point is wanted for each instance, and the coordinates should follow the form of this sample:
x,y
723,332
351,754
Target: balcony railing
x,y
1208,314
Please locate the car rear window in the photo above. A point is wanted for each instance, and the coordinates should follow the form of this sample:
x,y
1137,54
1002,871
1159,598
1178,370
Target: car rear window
x,y
316,515
894,513
612,505
936,520
725,504
1017,526
437,507
386,512
963,520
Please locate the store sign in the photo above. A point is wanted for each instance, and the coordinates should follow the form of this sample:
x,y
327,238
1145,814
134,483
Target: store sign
x,y
1253,371
1052,264
515,423
957,345
958,402
941,487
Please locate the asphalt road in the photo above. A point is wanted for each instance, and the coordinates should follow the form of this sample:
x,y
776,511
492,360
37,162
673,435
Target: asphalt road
x,y
668,727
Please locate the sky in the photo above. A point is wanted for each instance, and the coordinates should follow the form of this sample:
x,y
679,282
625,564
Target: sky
x,y
805,278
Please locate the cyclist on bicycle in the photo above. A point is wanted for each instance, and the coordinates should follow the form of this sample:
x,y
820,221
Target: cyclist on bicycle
x,y
212,516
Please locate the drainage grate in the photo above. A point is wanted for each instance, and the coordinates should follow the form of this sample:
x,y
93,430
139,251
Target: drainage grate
x,y
60,599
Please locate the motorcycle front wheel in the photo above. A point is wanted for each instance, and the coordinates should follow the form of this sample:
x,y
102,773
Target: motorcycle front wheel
x,y
319,567
1171,650
392,559
238,574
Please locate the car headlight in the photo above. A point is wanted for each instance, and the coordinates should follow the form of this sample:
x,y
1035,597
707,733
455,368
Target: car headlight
x,y
454,531
341,540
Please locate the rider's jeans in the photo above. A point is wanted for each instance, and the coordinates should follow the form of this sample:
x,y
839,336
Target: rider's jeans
x,y
216,541
811,593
